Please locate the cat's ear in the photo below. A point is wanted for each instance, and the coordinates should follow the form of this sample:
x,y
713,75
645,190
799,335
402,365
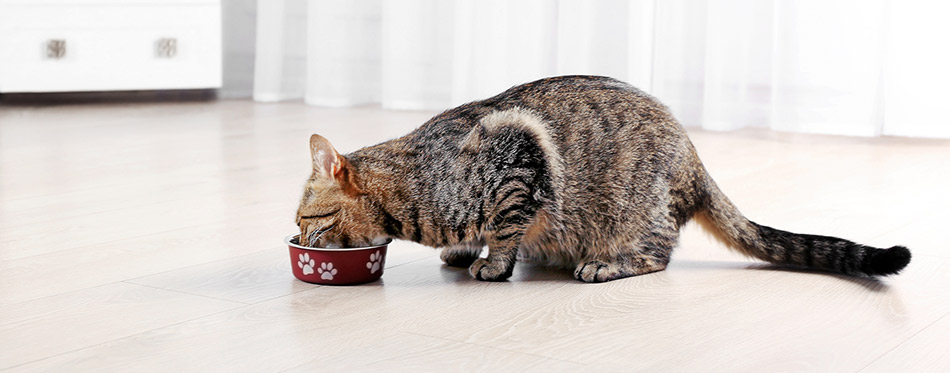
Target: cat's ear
x,y
326,161
329,164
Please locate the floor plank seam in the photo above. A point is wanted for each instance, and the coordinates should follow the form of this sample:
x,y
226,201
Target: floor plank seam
x,y
132,184
494,348
187,293
123,337
901,343
205,263
93,245
83,215
60,294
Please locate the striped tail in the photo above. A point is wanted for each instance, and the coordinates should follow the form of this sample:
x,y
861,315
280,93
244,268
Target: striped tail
x,y
721,218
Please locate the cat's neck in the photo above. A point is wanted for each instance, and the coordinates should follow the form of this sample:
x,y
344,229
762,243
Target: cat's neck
x,y
382,169
384,179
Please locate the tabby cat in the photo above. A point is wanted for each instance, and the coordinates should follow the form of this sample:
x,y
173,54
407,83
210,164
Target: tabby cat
x,y
583,172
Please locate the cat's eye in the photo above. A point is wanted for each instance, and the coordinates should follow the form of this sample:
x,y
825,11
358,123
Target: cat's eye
x,y
319,215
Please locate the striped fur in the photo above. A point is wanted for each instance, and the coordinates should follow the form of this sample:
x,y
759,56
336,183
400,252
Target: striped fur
x,y
581,172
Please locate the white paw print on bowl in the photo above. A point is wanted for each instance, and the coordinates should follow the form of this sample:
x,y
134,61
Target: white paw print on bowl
x,y
306,264
326,271
375,259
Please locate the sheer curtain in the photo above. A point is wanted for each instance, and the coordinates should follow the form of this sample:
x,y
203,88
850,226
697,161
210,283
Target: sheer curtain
x,y
849,67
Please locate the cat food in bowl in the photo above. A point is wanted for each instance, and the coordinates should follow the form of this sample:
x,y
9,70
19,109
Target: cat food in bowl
x,y
344,266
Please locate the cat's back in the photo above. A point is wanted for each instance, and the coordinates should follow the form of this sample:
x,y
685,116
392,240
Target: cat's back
x,y
595,123
589,106
598,123
574,107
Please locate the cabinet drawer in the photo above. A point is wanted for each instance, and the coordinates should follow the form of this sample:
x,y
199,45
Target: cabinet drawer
x,y
56,48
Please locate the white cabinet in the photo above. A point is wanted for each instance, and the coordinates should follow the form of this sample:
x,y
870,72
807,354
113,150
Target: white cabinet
x,y
109,45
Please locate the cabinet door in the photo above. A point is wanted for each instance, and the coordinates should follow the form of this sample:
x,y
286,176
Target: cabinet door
x,y
109,46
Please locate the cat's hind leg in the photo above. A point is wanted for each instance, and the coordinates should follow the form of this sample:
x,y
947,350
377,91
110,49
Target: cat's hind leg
x,y
617,267
652,254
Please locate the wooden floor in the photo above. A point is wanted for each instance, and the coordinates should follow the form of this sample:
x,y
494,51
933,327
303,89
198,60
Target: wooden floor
x,y
148,237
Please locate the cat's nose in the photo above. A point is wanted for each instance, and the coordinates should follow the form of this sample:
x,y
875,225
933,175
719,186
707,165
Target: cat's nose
x,y
304,241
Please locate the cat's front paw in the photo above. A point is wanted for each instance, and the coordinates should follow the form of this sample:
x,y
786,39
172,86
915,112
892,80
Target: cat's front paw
x,y
484,270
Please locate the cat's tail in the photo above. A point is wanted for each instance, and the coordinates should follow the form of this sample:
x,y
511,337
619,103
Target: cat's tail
x,y
721,218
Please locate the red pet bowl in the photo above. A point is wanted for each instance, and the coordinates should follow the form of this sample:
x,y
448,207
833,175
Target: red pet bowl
x,y
345,266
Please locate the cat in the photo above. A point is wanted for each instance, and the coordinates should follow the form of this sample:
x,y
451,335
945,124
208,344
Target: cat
x,y
582,172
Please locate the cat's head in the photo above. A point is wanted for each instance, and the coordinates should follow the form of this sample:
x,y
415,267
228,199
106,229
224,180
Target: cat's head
x,y
333,211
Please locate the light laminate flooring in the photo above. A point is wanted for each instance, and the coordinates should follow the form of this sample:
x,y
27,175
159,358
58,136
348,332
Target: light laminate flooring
x,y
147,237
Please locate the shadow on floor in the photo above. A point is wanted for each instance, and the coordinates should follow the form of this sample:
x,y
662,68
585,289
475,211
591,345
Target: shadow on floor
x,y
534,272
870,283
523,272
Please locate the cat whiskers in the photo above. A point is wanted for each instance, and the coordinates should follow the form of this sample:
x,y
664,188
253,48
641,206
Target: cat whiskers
x,y
316,234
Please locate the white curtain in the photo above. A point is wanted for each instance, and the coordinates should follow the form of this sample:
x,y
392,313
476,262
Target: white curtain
x,y
851,67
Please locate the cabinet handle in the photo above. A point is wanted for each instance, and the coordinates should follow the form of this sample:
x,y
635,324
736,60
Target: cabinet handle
x,y
55,48
167,47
